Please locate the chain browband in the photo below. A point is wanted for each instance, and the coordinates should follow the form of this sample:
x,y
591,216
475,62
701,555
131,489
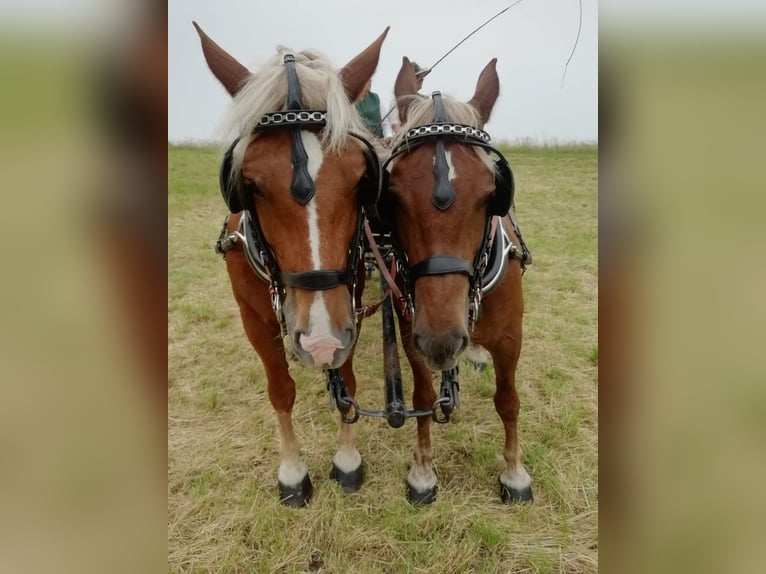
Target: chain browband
x,y
299,118
447,129
415,137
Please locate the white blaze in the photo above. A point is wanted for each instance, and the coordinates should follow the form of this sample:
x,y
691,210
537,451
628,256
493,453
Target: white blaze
x,y
321,344
314,151
451,174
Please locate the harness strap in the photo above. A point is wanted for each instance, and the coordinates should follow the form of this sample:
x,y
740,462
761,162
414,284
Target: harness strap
x,y
441,265
319,280
302,186
443,194
293,88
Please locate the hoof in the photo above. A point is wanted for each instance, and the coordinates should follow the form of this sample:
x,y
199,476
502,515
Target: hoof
x,y
509,495
350,481
421,497
297,495
479,366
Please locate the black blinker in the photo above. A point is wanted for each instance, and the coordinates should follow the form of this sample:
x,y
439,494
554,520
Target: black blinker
x,y
230,188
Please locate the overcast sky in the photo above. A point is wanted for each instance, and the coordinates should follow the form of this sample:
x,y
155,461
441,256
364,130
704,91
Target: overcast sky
x,y
531,41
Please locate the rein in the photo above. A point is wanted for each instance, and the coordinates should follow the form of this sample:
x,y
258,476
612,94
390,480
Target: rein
x,y
388,276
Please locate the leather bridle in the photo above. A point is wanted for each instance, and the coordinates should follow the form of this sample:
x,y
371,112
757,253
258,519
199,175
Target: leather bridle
x,y
302,190
443,196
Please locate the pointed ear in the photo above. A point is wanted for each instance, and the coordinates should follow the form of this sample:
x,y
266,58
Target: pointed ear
x,y
224,67
406,85
355,74
487,90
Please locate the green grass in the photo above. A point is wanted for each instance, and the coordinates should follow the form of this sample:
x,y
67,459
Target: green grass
x,y
223,512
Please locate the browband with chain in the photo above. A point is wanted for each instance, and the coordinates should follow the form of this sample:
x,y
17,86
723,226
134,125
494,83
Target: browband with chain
x,y
292,118
447,129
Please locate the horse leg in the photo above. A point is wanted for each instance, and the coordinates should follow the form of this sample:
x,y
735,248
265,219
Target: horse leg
x,y
515,482
347,467
421,478
294,483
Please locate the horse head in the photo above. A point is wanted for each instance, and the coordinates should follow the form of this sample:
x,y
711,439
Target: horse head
x,y
440,195
298,166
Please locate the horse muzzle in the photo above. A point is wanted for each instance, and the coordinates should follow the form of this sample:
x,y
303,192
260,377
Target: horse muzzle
x,y
324,349
441,350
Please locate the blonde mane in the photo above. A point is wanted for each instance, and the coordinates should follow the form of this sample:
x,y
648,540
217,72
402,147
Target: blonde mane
x,y
266,91
421,112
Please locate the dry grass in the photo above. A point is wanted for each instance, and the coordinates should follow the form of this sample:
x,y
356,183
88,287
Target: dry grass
x,y
223,512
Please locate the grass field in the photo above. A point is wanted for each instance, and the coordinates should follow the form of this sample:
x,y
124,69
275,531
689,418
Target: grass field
x,y
223,511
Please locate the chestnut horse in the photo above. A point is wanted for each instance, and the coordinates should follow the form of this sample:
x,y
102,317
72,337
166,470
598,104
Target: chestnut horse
x,y
294,179
444,199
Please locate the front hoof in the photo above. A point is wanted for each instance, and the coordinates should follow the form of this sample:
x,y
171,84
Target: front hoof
x,y
510,495
349,481
421,497
298,495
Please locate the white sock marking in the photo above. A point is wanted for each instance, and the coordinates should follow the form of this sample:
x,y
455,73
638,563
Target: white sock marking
x,y
347,459
421,478
519,479
292,472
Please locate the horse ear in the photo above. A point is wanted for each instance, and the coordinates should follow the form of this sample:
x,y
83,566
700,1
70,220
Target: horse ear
x,y
406,85
355,74
224,67
487,90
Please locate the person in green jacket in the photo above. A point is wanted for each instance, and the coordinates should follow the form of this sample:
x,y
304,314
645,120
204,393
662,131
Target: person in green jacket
x,y
368,107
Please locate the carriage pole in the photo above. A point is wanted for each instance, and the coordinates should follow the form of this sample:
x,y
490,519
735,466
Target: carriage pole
x,y
395,409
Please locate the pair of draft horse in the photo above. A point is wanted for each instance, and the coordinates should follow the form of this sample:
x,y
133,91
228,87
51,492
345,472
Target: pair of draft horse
x,y
299,180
